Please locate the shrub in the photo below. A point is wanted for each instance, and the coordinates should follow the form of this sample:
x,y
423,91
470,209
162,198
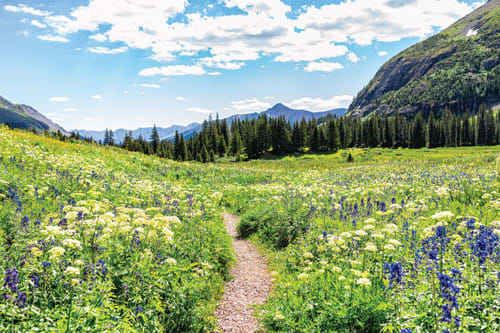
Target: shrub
x,y
250,221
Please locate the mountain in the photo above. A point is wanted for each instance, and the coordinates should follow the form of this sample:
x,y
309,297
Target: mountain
x,y
292,115
25,117
168,133
145,132
456,69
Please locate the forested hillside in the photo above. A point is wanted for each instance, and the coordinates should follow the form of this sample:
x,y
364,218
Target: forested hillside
x,y
457,69
251,139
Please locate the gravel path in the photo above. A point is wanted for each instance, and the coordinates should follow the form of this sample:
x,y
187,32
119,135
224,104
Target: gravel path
x,y
251,284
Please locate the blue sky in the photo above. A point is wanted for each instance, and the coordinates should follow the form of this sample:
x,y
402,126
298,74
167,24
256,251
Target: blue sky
x,y
133,63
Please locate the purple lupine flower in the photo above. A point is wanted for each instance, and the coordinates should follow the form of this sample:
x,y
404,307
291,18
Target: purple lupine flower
x,y
449,293
395,271
484,244
21,299
11,279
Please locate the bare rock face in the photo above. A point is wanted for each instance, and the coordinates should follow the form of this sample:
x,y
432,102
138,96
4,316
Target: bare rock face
x,y
457,68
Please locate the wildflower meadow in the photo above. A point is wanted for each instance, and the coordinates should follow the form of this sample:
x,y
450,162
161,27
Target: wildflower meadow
x,y
402,241
99,239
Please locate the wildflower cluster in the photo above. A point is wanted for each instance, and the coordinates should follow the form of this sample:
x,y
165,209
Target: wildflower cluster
x,y
94,239
400,247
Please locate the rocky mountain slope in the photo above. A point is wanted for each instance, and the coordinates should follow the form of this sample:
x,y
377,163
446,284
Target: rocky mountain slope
x,y
456,69
25,117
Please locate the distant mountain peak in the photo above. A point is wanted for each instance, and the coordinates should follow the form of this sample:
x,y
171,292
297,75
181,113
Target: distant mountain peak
x,y
278,110
280,106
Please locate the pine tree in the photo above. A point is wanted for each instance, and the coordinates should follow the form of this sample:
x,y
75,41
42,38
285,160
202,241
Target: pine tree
x,y
127,141
204,154
155,140
490,128
482,126
106,137
333,136
372,132
432,132
222,149
466,131
183,149
417,139
177,146
236,144
388,133
111,139
263,136
315,142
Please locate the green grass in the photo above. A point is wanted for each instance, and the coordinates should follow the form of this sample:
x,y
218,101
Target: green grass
x,y
145,248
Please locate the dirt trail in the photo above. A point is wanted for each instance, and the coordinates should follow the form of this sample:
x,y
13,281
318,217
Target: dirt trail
x,y
251,284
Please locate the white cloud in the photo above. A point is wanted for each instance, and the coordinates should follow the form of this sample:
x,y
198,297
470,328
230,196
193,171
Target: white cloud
x,y
365,21
56,116
477,4
382,53
89,119
229,65
125,92
26,10
147,85
99,37
270,8
353,57
319,104
70,110
58,99
105,50
250,105
98,97
214,73
52,38
175,70
200,110
264,28
38,24
180,98
322,66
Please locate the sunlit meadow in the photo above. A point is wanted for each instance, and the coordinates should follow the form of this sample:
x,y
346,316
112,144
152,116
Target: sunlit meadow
x,y
99,239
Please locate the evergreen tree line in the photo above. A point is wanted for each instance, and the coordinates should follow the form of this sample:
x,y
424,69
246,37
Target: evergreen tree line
x,y
252,138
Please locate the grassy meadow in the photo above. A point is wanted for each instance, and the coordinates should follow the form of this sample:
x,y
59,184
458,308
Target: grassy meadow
x,y
100,239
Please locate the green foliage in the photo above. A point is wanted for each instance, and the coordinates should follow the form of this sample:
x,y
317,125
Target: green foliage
x,y
249,222
277,227
332,229
98,239
8,227
148,250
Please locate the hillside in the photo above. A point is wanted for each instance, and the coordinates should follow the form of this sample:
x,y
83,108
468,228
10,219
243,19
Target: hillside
x,y
279,110
25,117
456,69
